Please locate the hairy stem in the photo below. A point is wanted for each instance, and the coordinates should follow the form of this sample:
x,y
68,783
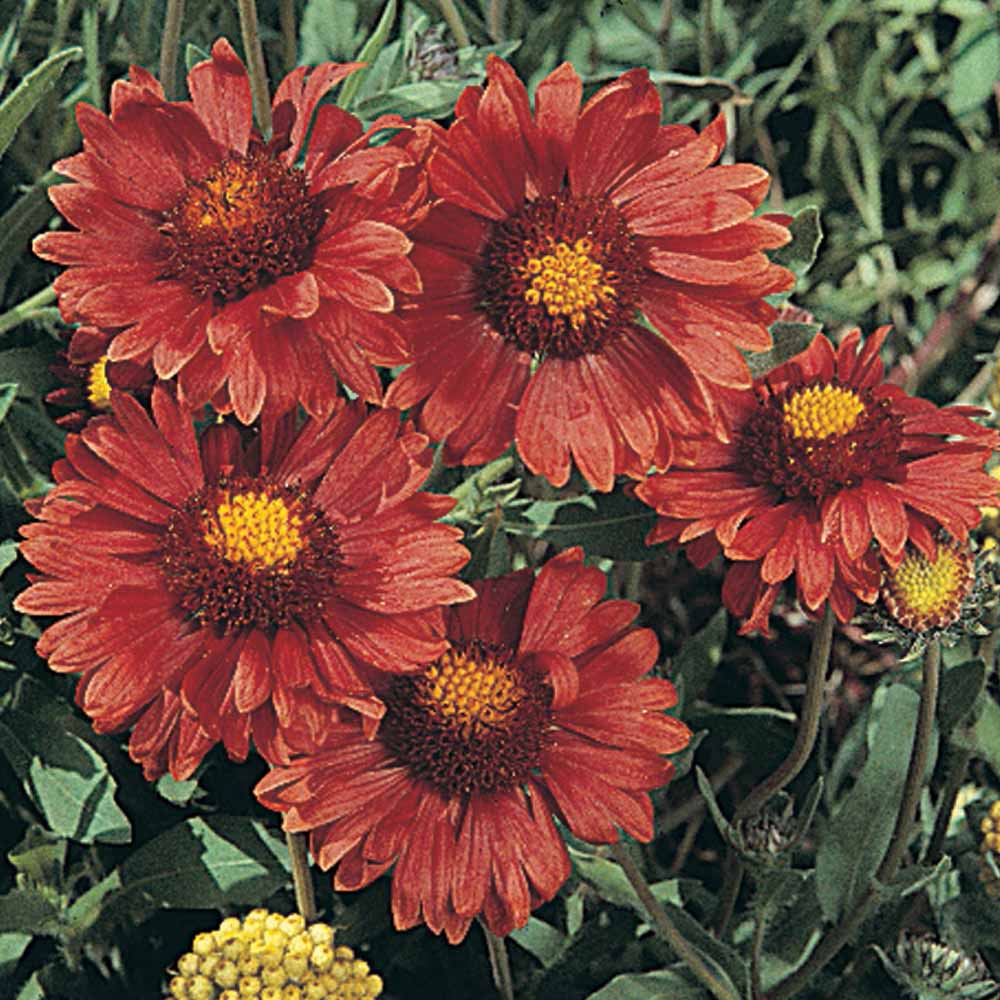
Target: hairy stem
x,y
805,738
499,963
305,896
170,46
256,67
666,929
289,34
454,20
29,308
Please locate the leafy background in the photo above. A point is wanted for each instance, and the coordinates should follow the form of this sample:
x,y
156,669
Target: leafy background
x,y
883,116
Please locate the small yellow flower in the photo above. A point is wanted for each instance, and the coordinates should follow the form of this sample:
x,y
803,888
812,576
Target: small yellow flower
x,y
271,956
989,851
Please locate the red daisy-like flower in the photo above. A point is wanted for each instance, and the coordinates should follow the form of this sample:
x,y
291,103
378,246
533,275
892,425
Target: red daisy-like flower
x,y
207,587
552,232
535,709
824,459
88,377
252,280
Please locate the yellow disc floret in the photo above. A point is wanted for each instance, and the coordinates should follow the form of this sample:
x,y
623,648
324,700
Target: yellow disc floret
x,y
271,956
98,386
822,411
259,530
474,693
989,851
567,281
924,593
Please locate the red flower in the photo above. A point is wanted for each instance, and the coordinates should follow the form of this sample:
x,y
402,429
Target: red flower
x,y
536,708
88,377
253,281
824,459
206,588
551,233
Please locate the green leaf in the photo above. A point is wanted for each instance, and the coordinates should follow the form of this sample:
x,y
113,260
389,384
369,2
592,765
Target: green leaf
x,y
800,254
28,368
700,656
202,863
329,30
369,51
723,825
961,687
611,883
62,773
490,550
650,986
541,940
983,737
8,555
12,947
27,910
8,393
859,831
179,793
35,85
194,54
976,65
605,524
788,339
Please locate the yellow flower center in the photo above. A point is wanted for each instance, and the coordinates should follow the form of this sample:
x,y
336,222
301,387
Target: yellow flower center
x,y
257,529
475,719
822,411
922,593
248,222
232,198
567,282
98,387
929,586
472,693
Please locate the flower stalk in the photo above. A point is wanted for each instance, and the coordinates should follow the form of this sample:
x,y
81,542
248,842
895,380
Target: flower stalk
x,y
666,929
305,895
828,947
256,67
496,946
170,46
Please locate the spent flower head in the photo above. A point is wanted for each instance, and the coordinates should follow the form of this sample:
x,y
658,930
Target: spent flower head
x,y
929,969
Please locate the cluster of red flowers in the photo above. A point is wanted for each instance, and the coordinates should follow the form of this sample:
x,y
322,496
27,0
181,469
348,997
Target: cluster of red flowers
x,y
579,282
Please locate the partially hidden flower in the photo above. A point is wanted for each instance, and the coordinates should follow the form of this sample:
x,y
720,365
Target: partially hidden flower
x,y
538,707
989,851
271,956
218,258
824,459
88,376
943,596
205,587
553,231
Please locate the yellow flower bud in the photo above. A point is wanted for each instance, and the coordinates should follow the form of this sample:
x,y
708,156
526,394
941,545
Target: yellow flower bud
x,y
293,924
201,988
321,957
250,986
274,975
179,988
231,925
229,995
227,974
187,964
321,933
373,986
209,964
300,945
291,992
203,944
315,990
296,967
343,953
273,921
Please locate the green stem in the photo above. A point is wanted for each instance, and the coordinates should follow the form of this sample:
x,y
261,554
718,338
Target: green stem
x,y
805,738
839,936
256,67
305,896
454,20
495,18
667,930
919,756
756,950
499,963
957,767
289,34
170,46
29,308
